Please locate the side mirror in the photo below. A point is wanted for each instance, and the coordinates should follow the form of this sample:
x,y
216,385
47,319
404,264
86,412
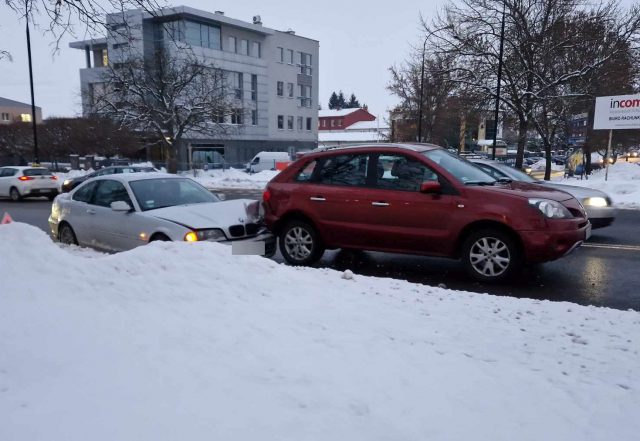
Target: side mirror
x,y
221,196
430,187
120,206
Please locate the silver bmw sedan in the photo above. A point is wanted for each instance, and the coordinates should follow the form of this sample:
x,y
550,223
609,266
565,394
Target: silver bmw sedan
x,y
120,212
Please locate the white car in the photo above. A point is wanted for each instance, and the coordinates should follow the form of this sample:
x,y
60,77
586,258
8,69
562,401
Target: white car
x,y
122,211
22,182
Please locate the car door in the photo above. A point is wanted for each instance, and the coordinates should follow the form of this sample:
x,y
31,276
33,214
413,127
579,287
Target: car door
x,y
78,212
5,179
404,218
115,230
336,199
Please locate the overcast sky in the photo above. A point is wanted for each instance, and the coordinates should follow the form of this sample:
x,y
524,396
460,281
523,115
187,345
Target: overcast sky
x,y
359,40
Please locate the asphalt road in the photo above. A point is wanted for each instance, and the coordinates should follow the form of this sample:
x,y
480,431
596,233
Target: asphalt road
x,y
603,272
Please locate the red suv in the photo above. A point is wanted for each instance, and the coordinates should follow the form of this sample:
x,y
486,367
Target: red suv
x,y
418,199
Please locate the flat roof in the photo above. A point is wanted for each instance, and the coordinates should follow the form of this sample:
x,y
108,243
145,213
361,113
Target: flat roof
x,y
94,43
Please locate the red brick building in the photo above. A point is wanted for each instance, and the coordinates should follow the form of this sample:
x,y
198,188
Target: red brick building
x,y
341,119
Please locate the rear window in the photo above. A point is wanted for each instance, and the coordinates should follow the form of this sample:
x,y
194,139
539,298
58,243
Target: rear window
x,y
37,172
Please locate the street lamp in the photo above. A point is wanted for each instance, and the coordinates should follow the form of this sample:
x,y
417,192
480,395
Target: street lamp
x,y
497,112
36,160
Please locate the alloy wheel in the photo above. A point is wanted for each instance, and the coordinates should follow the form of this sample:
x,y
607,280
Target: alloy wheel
x,y
490,256
298,243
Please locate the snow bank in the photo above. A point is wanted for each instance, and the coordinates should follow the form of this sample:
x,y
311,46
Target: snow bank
x,y
541,165
623,184
233,178
185,341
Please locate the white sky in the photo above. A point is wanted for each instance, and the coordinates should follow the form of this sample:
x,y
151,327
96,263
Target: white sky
x,y
359,41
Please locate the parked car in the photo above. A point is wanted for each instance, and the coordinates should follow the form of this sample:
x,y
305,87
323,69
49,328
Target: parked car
x,y
24,182
71,183
266,161
597,203
418,199
121,211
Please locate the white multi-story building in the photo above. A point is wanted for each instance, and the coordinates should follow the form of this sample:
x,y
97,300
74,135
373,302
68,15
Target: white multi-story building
x,y
275,74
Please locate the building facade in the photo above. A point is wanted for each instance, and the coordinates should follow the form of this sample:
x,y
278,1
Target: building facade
x,y
14,111
274,75
341,119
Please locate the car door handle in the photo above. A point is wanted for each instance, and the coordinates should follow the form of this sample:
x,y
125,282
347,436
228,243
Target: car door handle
x,y
380,204
317,198
91,211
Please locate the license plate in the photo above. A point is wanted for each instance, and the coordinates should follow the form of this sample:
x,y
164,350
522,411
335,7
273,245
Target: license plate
x,y
588,232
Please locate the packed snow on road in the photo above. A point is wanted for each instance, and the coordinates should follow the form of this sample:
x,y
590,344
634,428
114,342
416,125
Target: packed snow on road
x,y
186,341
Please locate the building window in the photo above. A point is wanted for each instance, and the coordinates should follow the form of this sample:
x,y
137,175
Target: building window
x,y
305,63
231,44
256,49
280,88
281,122
25,117
280,55
238,81
290,90
305,96
237,116
219,118
105,57
120,45
290,56
5,117
254,117
300,123
290,122
339,123
193,33
309,121
254,87
244,47
333,123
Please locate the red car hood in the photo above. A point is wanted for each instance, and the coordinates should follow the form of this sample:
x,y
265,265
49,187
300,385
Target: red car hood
x,y
527,190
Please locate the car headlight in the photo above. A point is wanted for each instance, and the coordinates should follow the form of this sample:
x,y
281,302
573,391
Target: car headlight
x,y
66,182
213,235
528,170
595,202
551,209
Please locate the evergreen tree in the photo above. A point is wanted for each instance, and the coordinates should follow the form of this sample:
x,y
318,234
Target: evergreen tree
x,y
333,101
342,104
353,102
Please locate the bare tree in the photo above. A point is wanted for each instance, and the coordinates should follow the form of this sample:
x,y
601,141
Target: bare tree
x,y
174,95
62,17
538,34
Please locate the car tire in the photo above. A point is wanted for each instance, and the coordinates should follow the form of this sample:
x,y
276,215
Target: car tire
x,y
491,255
66,235
160,237
14,194
300,243
51,197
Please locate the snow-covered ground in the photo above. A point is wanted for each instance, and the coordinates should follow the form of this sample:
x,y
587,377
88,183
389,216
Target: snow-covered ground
x,y
623,184
177,341
233,178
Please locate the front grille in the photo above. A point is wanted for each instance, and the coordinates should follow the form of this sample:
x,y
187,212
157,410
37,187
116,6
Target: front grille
x,y
236,230
252,229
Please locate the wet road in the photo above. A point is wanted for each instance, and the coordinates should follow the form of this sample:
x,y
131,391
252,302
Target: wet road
x,y
604,272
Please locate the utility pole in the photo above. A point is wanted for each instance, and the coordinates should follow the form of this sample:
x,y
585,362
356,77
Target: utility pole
x,y
36,160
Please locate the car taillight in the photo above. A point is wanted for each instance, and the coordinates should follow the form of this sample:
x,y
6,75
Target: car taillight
x,y
266,196
25,178
55,178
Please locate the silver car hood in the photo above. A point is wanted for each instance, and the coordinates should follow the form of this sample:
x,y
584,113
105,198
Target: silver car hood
x,y
207,215
577,192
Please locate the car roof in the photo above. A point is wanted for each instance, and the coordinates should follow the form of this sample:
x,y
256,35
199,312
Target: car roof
x,y
416,147
24,167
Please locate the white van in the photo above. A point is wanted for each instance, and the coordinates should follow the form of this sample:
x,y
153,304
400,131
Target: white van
x,y
266,161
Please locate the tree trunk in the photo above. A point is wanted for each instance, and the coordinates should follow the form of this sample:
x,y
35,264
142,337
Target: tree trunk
x,y
547,167
523,127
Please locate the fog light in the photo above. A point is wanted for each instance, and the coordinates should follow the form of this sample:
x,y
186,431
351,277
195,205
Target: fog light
x,y
191,237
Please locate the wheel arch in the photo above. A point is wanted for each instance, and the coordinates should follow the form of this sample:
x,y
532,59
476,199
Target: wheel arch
x,y
487,224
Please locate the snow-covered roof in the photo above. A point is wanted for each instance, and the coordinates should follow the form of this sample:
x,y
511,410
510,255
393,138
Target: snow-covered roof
x,y
368,125
324,136
335,112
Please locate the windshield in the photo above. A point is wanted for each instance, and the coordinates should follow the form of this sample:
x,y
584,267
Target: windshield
x,y
513,173
461,169
152,194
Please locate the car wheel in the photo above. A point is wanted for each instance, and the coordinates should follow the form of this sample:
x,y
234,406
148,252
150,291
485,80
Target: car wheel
x,y
14,194
51,197
300,243
160,237
491,255
66,235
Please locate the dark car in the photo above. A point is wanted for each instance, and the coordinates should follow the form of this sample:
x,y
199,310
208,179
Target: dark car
x,y
71,183
418,199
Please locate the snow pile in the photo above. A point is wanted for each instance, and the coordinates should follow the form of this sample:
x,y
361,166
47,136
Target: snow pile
x,y
185,341
541,165
233,178
623,184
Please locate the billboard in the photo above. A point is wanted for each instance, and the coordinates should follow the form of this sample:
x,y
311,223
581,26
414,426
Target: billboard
x,y
617,112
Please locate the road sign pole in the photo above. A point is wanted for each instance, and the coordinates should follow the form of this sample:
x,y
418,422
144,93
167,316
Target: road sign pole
x,y
606,160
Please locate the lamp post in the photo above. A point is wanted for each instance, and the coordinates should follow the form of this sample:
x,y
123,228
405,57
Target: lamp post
x,y
497,112
36,160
